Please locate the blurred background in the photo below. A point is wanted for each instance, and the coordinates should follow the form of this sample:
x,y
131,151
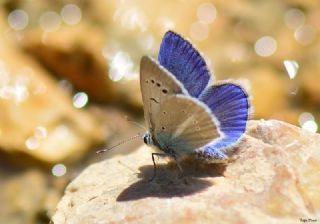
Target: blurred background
x,y
69,78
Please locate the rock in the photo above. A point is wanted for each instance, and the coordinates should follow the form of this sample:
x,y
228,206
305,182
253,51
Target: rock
x,y
28,195
69,55
273,177
22,197
37,117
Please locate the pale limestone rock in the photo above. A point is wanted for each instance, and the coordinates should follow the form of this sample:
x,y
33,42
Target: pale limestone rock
x,y
273,178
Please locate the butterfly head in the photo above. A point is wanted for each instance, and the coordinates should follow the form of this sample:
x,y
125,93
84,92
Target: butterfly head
x,y
147,139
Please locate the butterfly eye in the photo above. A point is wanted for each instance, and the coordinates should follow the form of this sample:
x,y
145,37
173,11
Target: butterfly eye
x,y
165,91
158,84
145,139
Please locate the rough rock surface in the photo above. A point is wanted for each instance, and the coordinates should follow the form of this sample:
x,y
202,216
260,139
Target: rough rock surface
x,y
273,178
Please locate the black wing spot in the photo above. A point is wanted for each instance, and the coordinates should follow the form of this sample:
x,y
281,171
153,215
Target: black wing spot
x,y
158,84
164,112
154,100
152,81
165,91
163,128
147,81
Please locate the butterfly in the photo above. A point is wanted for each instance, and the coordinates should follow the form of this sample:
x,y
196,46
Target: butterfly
x,y
184,114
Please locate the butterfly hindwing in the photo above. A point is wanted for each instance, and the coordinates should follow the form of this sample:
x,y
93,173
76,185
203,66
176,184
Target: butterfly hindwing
x,y
180,58
156,85
230,104
184,124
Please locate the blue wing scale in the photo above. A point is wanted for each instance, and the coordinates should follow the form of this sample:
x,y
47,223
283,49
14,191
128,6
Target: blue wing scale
x,y
180,58
230,104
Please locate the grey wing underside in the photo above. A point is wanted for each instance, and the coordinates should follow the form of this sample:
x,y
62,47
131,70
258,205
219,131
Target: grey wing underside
x,y
156,84
184,124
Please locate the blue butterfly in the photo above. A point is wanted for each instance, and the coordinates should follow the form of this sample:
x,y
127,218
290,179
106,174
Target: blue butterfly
x,y
184,114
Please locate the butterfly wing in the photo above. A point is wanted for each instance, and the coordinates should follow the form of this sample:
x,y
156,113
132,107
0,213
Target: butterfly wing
x,y
179,57
230,104
184,124
156,85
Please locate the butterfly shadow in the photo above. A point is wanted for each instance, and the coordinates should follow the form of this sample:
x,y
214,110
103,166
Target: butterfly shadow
x,y
169,182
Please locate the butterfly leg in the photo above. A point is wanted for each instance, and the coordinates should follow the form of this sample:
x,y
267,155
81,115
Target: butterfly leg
x,y
154,164
178,165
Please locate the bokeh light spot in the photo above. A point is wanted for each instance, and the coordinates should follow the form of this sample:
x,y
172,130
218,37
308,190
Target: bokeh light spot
x,y
59,170
20,93
307,122
304,117
32,143
265,46
14,87
206,13
304,35
80,100
133,18
294,18
40,132
310,126
71,14
65,85
121,65
18,19
50,21
291,67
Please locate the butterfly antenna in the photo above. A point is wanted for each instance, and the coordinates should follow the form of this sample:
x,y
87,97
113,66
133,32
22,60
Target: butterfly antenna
x,y
136,123
120,143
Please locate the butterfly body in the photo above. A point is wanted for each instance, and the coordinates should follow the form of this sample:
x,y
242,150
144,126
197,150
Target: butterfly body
x,y
184,115
147,138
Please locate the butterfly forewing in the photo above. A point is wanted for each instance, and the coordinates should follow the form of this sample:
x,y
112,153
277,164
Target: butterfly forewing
x,y
179,57
184,124
157,85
